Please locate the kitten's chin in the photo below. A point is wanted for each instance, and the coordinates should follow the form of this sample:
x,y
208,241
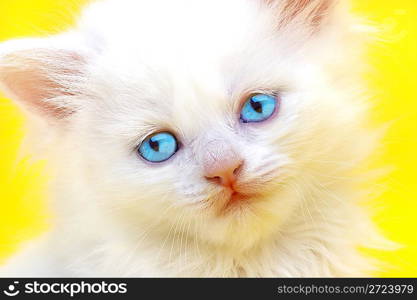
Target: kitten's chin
x,y
241,222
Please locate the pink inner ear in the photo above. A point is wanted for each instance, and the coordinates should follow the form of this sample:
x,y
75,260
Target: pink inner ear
x,y
30,80
31,87
293,8
319,12
314,11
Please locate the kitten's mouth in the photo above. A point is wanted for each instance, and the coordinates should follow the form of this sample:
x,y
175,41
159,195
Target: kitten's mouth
x,y
233,199
237,200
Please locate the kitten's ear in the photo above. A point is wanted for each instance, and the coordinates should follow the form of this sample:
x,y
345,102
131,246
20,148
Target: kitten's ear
x,y
311,13
43,75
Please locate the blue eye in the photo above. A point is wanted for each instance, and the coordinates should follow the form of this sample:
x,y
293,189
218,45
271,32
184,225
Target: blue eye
x,y
258,108
158,147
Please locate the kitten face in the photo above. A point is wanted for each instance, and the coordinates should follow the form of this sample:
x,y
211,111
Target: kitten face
x,y
194,86
189,72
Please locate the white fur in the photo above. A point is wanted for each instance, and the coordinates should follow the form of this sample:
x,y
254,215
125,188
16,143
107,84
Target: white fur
x,y
185,65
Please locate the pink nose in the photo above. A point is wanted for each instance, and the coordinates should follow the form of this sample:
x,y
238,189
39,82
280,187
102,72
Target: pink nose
x,y
221,163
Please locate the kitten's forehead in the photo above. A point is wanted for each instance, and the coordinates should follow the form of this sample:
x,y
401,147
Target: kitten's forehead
x,y
176,30
179,46
182,64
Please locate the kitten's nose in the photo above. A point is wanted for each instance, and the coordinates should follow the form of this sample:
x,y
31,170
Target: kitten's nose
x,y
222,164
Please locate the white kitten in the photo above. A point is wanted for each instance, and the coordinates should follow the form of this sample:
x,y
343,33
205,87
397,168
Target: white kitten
x,y
258,188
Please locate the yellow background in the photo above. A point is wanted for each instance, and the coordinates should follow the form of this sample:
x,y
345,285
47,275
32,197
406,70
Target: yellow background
x,y
392,81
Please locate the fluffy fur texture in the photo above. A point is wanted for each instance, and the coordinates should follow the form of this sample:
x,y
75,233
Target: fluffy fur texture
x,y
186,66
